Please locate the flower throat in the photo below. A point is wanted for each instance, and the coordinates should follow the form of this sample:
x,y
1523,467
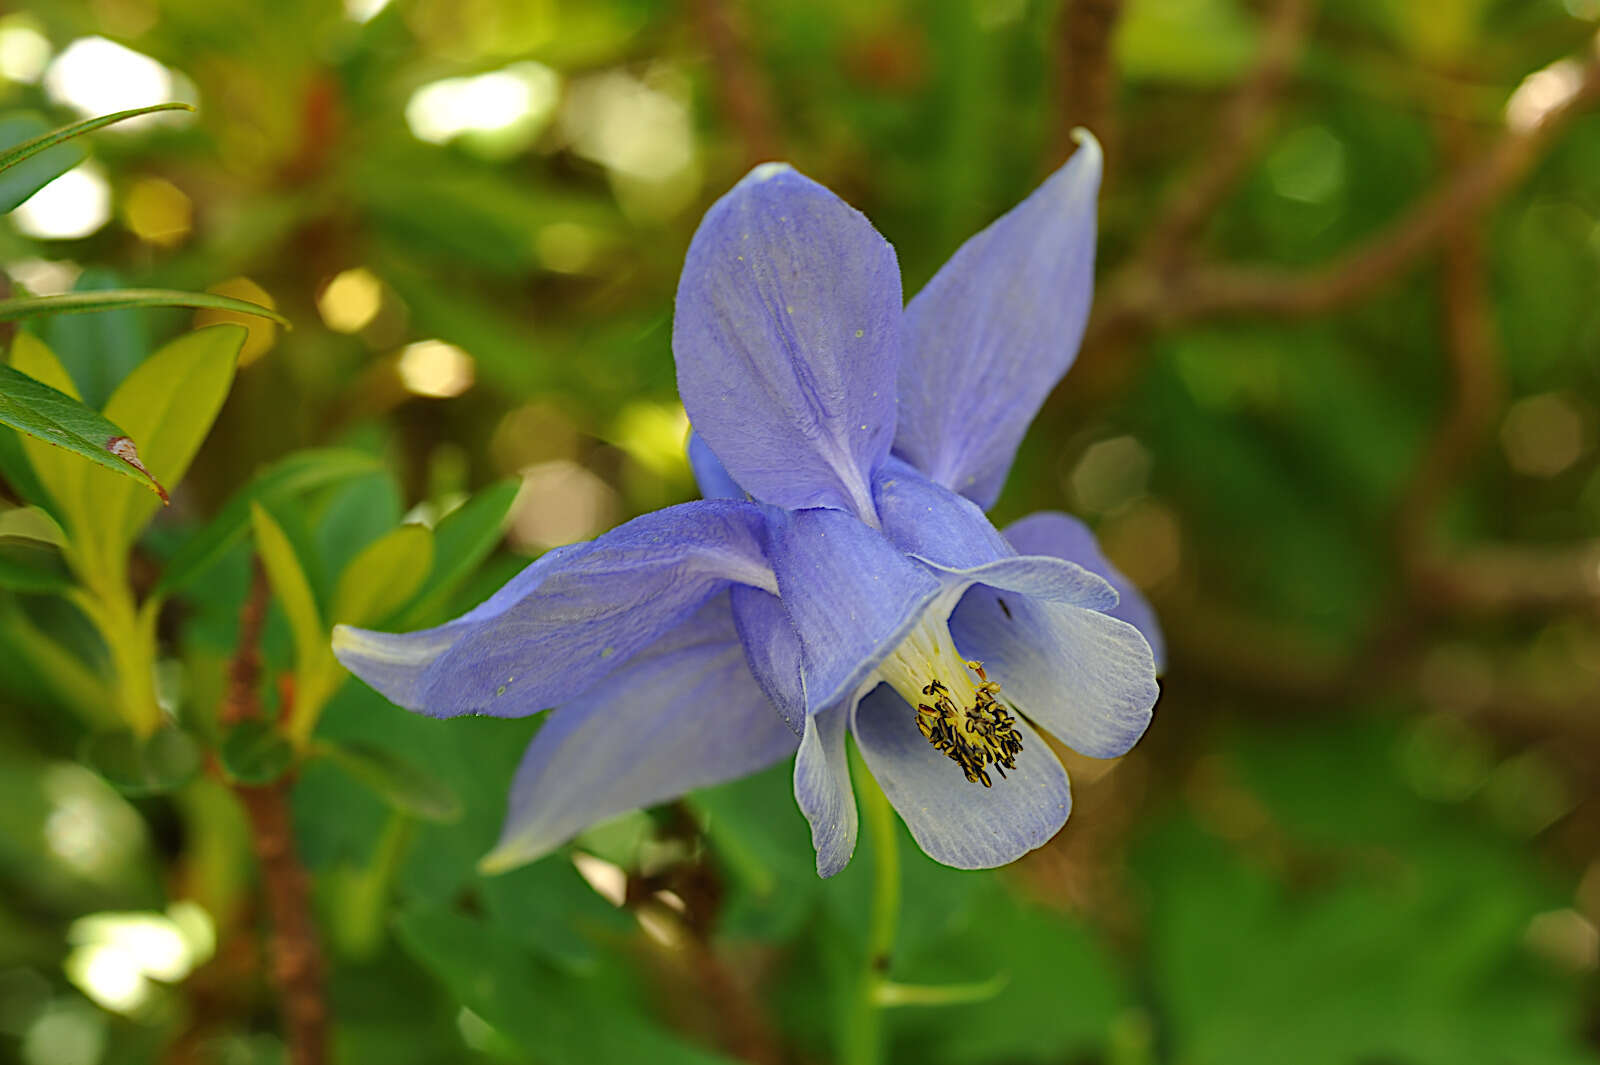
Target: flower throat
x,y
957,714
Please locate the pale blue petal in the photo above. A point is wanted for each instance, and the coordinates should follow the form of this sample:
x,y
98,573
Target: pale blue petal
x,y
995,329
1063,536
787,339
709,472
822,789
567,625
954,821
1085,676
851,595
772,649
683,714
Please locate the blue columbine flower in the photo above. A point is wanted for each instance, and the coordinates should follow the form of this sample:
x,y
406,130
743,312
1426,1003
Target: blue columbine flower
x,y
840,574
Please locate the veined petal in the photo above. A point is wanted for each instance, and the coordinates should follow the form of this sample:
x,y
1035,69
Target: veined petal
x,y
787,339
823,791
1083,675
683,714
851,595
567,625
1053,533
955,822
772,649
995,329
709,472
949,533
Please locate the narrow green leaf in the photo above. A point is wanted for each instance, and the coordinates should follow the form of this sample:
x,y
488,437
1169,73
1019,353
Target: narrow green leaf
x,y
255,752
34,408
119,299
889,993
10,157
168,405
401,784
293,475
462,540
22,181
32,566
383,576
312,654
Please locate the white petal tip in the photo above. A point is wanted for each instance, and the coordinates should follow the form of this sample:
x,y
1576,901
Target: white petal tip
x,y
502,860
765,171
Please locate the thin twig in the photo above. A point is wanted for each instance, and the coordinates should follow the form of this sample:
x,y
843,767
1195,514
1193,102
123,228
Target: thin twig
x,y
1088,75
297,950
741,90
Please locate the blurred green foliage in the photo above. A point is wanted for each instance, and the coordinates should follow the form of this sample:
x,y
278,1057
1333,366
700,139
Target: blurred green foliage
x,y
1364,826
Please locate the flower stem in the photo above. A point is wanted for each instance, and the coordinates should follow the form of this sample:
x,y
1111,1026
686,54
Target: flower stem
x,y
863,1031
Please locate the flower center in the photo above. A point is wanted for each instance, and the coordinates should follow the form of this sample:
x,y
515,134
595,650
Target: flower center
x,y
957,711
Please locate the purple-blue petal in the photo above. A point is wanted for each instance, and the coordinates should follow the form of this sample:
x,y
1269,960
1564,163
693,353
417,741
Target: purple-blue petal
x,y
565,626
683,714
851,595
709,472
996,328
823,791
956,822
772,649
787,339
1063,536
1085,676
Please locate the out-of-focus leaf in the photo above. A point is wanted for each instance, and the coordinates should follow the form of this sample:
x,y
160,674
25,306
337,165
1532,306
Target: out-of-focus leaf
x,y
497,979
316,672
402,785
31,566
1196,42
462,540
98,350
85,302
10,157
161,762
255,752
293,475
47,414
38,170
383,576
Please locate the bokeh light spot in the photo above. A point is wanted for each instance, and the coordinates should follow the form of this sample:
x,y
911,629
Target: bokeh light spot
x,y
559,503
95,76
1543,435
24,51
1542,92
500,112
73,206
263,332
158,212
435,369
350,302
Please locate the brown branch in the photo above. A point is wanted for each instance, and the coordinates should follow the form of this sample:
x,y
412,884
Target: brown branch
x,y
297,951
1238,137
1088,72
741,91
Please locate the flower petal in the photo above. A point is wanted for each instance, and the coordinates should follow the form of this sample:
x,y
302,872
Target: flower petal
x,y
851,595
564,627
822,789
949,533
772,649
683,714
1083,675
709,472
787,341
995,329
1062,536
956,822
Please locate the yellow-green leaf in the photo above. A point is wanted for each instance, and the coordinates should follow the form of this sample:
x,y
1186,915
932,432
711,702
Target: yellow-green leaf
x,y
316,671
384,576
121,299
59,471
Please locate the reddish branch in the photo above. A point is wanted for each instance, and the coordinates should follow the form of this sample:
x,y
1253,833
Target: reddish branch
x,y
1088,71
741,91
296,949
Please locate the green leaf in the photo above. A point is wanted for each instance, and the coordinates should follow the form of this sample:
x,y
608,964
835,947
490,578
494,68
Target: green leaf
x,y
401,784
383,576
168,404
32,566
10,157
37,171
98,350
84,302
160,763
30,406
315,670
293,475
461,540
256,752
